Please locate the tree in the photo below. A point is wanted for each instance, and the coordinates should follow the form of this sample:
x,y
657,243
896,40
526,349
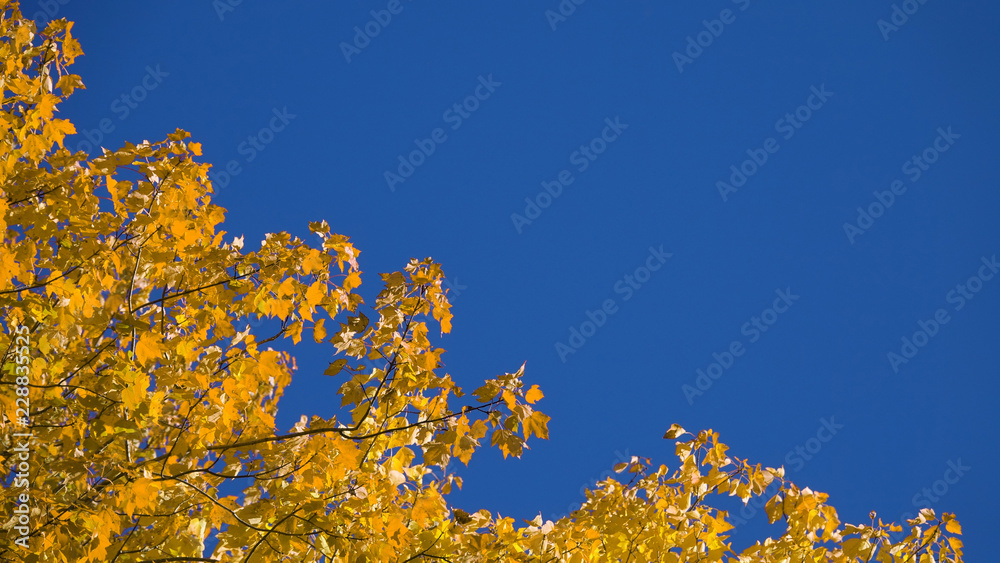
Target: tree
x,y
135,394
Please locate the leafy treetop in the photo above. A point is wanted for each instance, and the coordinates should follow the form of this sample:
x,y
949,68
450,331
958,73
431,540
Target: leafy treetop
x,y
147,394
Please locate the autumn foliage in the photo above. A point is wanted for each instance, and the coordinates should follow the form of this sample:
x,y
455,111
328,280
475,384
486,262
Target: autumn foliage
x,y
131,363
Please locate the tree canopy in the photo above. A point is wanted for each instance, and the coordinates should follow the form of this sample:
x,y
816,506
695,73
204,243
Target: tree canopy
x,y
135,396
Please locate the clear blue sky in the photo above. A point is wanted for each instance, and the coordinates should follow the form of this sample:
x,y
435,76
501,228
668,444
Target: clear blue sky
x,y
705,165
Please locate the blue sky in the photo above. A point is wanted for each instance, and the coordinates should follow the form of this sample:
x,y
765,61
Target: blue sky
x,y
624,194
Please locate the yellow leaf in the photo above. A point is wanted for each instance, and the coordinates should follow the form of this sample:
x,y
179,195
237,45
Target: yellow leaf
x,y
269,364
774,509
286,288
68,83
429,359
509,398
143,492
57,129
71,48
537,424
443,315
533,395
313,262
34,146
353,281
46,105
280,308
674,431
319,332
147,348
335,367
427,505
135,392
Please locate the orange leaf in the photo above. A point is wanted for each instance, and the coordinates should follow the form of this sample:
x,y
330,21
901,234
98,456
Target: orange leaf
x,y
533,395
